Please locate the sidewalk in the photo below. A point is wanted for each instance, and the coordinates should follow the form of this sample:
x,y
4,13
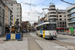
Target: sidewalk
x,y
67,34
64,33
14,44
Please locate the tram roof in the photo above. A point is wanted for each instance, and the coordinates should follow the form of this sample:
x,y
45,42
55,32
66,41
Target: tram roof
x,y
45,23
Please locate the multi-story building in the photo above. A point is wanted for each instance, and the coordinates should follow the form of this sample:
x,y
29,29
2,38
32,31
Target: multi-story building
x,y
16,9
61,20
8,19
26,26
58,17
5,17
46,17
2,15
52,14
71,16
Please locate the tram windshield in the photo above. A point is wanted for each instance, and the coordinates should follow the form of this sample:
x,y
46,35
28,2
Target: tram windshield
x,y
49,27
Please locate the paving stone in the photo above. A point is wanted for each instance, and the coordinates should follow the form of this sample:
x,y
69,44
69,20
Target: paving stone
x,y
50,46
15,45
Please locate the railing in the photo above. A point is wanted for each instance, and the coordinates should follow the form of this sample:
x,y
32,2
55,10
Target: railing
x,y
71,21
71,16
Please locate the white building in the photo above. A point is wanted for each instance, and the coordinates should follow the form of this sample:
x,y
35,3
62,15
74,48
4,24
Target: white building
x,y
57,16
16,10
71,16
52,14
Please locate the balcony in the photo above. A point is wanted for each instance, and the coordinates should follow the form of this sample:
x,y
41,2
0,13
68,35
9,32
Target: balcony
x,y
71,13
72,26
71,17
52,15
0,24
52,6
71,21
72,10
51,9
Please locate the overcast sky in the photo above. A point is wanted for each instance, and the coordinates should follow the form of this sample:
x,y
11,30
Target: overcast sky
x,y
31,13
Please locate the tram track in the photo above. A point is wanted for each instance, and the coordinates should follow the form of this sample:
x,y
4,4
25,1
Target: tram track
x,y
69,46
32,44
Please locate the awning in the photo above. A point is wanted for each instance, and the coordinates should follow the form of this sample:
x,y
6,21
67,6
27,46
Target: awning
x,y
59,28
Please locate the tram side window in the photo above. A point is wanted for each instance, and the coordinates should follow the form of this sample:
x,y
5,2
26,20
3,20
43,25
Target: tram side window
x,y
40,28
44,27
52,27
49,27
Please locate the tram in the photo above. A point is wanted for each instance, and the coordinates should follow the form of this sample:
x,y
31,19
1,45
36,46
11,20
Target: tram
x,y
46,30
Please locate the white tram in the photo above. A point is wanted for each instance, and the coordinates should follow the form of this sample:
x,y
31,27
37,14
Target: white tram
x,y
46,30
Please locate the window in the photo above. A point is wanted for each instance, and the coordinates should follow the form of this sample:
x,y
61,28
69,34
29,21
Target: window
x,y
52,20
11,4
60,19
52,6
17,12
17,4
64,15
60,16
0,9
47,27
51,9
17,15
72,10
40,28
52,12
5,2
0,18
12,15
52,16
17,8
65,19
11,8
72,15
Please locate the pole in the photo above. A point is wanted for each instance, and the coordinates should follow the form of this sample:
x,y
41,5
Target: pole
x,y
10,29
38,18
14,21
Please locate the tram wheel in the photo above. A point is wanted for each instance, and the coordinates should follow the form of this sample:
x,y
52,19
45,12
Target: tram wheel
x,y
51,38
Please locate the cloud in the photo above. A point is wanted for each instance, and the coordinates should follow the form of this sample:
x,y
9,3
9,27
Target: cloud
x,y
31,13
31,16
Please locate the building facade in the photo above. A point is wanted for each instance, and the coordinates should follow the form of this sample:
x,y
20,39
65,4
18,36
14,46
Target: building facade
x,y
26,26
2,15
52,14
16,9
61,20
57,16
71,16
8,19
8,16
